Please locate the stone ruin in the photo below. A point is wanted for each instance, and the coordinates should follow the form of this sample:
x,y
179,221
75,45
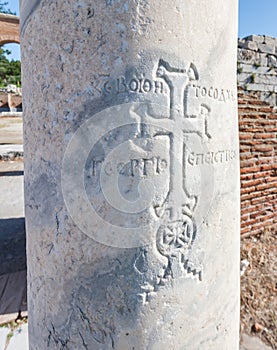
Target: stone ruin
x,y
257,66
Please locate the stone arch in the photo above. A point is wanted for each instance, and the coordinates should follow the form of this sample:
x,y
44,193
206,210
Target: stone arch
x,y
9,29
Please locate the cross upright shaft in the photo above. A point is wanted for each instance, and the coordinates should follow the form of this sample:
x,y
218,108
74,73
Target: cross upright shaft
x,y
175,127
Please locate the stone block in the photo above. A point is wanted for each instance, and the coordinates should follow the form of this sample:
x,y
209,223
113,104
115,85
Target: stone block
x,y
269,97
272,61
249,68
243,77
249,45
269,40
265,48
252,57
256,38
259,87
252,343
266,79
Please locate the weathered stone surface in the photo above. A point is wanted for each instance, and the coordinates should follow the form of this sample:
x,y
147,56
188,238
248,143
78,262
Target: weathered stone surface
x,y
269,40
259,87
131,174
266,48
249,68
252,57
244,78
265,79
257,71
249,45
254,78
272,61
269,97
252,343
256,38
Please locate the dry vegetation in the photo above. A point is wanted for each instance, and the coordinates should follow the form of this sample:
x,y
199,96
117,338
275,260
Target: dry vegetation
x,y
259,287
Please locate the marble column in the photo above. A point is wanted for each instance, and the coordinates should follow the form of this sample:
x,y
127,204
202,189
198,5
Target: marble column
x,y
131,174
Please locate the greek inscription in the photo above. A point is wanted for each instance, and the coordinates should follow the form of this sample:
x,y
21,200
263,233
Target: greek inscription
x,y
139,167
220,95
211,158
103,85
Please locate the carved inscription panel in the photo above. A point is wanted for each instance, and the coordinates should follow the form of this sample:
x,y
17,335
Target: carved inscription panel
x,y
137,171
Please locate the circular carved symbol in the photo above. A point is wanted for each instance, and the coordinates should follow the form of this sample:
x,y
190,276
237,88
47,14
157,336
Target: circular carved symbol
x,y
175,237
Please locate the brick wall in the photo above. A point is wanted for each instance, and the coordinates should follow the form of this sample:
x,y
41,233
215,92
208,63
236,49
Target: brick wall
x,y
258,155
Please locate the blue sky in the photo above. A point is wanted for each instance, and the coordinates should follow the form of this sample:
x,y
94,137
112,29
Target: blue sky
x,y
255,17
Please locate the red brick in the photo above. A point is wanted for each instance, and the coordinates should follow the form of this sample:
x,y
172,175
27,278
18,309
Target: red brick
x,y
244,218
240,102
255,130
249,170
264,122
266,110
263,199
263,174
246,156
260,148
247,110
261,225
250,122
251,183
272,116
250,195
251,142
246,177
271,179
258,116
248,223
258,200
257,214
247,190
245,136
245,204
247,163
272,142
267,217
264,160
269,167
259,103
251,209
256,231
244,148
264,136
270,129
245,211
